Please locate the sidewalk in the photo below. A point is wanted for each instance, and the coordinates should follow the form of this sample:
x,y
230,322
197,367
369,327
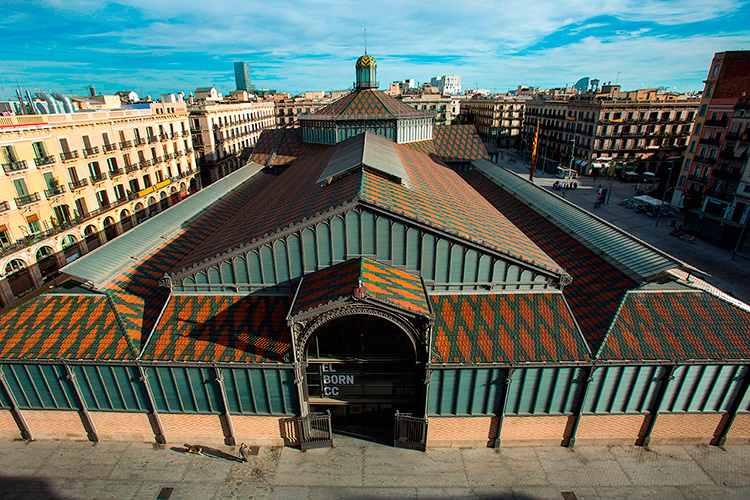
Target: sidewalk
x,y
724,273
354,469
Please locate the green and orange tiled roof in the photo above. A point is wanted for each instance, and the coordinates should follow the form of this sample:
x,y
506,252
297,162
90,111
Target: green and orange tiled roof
x,y
285,142
505,328
436,196
458,143
136,292
678,326
367,104
247,329
597,288
381,282
426,147
71,327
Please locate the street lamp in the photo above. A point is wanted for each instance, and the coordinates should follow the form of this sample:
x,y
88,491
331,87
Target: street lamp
x,y
572,152
666,188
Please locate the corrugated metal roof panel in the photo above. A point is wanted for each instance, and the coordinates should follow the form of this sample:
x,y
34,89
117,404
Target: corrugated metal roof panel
x,y
366,149
631,253
109,260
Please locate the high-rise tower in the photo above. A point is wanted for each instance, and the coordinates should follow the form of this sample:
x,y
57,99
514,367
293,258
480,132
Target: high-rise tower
x,y
242,76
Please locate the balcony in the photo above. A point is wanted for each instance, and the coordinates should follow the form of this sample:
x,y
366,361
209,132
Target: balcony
x,y
711,141
90,151
700,179
728,174
115,173
68,155
44,161
152,139
27,199
719,195
163,137
109,147
139,141
186,133
78,184
51,193
97,178
15,166
718,122
158,159
175,135
145,164
4,205
126,145
131,168
704,160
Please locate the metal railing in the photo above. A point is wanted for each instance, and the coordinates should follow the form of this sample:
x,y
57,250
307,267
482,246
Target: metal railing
x,y
409,431
98,178
139,141
78,184
68,155
131,168
315,431
126,145
49,193
15,166
152,139
27,199
115,173
90,151
44,160
4,205
109,147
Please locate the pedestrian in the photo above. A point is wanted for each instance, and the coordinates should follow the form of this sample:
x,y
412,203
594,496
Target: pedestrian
x,y
595,174
244,452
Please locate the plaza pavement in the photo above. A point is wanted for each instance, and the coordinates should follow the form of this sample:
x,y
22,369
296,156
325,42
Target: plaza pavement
x,y
355,469
723,272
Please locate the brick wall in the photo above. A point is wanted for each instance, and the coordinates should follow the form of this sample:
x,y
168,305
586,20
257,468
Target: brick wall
x,y
606,430
691,428
8,427
50,424
265,430
461,431
547,430
739,433
114,426
192,429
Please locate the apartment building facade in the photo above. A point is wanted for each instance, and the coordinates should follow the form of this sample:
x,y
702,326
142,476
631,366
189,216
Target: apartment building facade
x,y
498,121
222,130
72,181
288,111
446,108
639,129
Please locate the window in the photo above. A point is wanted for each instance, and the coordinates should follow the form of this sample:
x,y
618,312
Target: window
x,y
709,89
39,150
146,181
134,187
81,208
702,110
73,174
159,176
62,213
4,236
692,146
21,189
102,198
33,222
119,192
9,154
112,164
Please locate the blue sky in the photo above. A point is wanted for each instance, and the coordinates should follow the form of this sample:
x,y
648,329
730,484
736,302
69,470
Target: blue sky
x,y
158,46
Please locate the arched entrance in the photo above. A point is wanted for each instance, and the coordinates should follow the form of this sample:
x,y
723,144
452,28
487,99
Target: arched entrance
x,y
363,368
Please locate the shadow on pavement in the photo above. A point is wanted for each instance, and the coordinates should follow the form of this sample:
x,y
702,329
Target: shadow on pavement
x,y
24,488
206,452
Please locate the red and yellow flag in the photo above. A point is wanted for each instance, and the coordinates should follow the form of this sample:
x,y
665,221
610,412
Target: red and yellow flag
x,y
533,153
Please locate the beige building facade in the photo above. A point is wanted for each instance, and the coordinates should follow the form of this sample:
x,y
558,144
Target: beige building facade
x,y
498,121
445,107
222,130
288,111
72,181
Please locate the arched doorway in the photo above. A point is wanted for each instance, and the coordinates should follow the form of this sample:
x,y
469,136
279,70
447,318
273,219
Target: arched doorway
x,y
363,368
110,228
47,262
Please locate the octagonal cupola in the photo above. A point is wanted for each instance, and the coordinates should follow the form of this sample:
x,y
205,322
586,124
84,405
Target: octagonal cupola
x,y
366,73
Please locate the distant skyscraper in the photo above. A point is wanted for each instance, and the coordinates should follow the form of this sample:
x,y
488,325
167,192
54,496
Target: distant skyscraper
x,y
242,77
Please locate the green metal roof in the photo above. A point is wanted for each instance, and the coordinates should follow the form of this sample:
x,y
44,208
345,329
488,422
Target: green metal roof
x,y
114,257
633,256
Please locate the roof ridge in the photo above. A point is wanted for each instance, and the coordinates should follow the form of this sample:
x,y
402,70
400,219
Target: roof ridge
x,y
611,325
128,338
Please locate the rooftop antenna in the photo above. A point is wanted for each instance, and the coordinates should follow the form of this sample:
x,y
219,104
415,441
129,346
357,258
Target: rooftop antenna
x,y
617,79
365,37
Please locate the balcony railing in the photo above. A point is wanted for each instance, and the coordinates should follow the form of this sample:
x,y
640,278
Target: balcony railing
x,y
78,184
90,151
109,147
15,166
4,205
139,141
719,122
126,145
132,168
702,179
27,199
702,159
68,155
44,161
96,178
115,173
50,193
146,163
152,139
163,137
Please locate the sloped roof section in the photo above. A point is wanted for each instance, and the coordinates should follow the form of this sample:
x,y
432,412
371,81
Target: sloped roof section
x,y
365,150
458,143
249,329
679,326
136,292
597,287
635,257
366,104
276,147
379,281
505,328
74,327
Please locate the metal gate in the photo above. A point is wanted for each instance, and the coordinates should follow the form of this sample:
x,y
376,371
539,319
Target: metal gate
x,y
409,432
315,430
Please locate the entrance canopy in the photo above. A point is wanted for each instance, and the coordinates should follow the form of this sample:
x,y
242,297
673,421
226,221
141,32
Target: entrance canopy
x,y
648,200
360,279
